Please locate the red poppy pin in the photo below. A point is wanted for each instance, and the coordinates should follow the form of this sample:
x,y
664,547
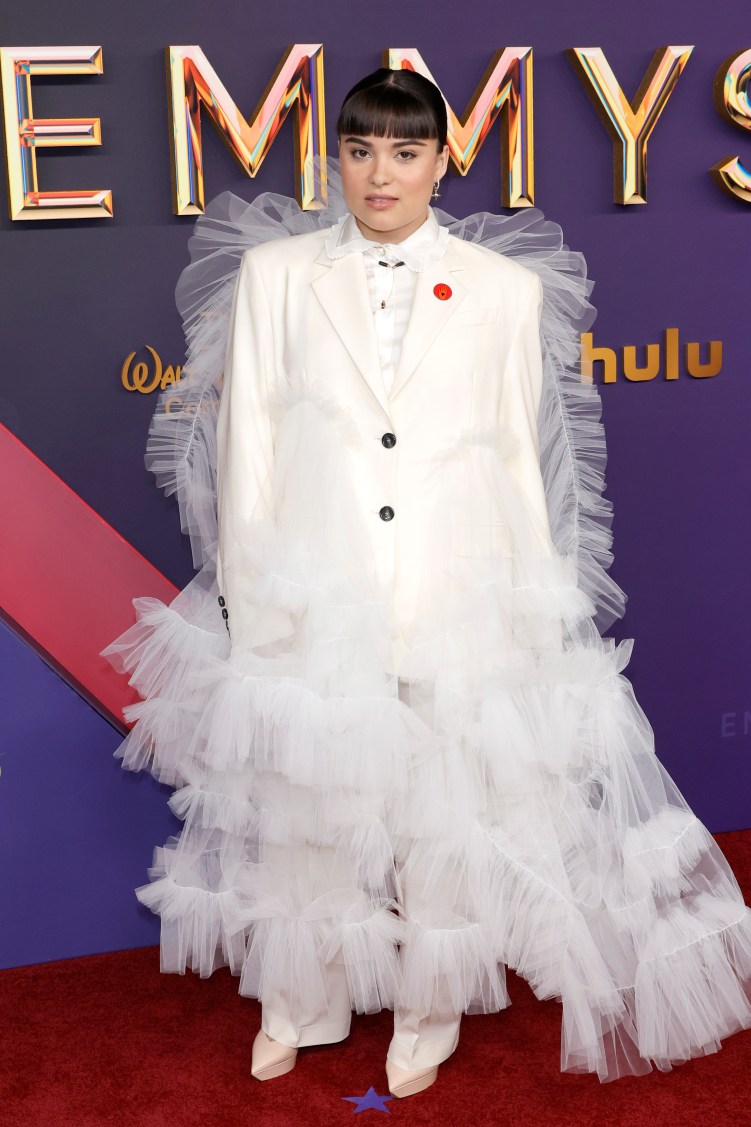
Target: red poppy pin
x,y
442,291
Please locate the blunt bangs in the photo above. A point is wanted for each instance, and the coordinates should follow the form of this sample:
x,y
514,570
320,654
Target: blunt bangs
x,y
386,108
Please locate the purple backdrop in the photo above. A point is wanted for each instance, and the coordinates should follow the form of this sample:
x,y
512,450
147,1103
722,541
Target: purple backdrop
x,y
79,296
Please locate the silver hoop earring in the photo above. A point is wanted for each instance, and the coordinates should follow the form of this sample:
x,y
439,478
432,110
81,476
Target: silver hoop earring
x,y
436,193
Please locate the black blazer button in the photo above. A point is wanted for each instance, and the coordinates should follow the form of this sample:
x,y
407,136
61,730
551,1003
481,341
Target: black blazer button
x,y
221,600
225,613
386,513
388,439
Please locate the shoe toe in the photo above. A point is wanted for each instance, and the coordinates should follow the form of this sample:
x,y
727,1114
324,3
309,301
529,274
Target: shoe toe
x,y
271,1058
403,1082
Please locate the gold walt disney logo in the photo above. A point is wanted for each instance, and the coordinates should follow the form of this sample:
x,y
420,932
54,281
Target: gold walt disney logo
x,y
139,377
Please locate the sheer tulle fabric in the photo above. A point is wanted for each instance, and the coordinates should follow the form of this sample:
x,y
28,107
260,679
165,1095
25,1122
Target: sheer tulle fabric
x,y
496,801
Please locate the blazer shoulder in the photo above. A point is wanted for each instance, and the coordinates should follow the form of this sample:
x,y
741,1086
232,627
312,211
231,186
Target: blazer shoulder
x,y
278,253
502,268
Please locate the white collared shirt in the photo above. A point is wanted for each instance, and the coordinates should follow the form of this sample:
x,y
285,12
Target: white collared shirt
x,y
391,287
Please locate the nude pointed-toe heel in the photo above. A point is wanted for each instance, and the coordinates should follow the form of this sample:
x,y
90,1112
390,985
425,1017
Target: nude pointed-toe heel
x,y
271,1058
405,1083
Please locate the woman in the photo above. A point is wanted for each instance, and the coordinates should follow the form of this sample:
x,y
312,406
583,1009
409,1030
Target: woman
x,y
404,755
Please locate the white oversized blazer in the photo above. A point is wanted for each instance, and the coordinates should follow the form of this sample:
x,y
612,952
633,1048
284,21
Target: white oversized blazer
x,y
469,363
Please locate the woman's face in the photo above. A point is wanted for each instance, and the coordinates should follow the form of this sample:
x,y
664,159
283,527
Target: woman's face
x,y
387,182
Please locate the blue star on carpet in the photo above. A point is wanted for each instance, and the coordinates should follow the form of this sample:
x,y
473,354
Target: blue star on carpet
x,y
371,1099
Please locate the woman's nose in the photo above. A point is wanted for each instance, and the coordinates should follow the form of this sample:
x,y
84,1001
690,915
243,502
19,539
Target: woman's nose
x,y
379,172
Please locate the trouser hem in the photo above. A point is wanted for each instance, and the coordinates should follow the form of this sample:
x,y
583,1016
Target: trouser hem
x,y
318,1033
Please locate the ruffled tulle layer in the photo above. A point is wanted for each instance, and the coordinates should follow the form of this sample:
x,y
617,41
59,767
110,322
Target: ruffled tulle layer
x,y
526,824
495,800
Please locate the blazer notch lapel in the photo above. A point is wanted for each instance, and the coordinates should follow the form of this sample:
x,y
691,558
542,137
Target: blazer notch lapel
x,y
429,313
342,291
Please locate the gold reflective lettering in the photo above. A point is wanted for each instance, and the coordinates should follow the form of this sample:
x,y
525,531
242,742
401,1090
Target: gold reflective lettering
x,y
732,104
505,89
25,134
629,124
193,85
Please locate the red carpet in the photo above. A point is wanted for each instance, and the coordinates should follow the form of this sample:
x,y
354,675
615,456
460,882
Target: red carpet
x,y
109,1040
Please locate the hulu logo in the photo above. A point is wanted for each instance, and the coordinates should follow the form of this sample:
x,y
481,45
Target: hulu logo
x,y
661,359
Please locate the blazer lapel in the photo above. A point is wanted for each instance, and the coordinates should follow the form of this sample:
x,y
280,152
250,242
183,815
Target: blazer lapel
x,y
429,313
343,292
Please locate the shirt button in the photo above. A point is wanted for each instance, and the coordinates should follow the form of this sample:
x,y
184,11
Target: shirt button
x,y
388,439
386,513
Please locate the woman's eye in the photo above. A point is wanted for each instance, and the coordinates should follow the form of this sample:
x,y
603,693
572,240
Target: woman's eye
x,y
360,154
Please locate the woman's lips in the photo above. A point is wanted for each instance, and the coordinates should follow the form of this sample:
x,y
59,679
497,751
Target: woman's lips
x,y
380,202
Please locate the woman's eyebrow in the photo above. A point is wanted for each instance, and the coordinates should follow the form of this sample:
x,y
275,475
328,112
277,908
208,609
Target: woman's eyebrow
x,y
394,144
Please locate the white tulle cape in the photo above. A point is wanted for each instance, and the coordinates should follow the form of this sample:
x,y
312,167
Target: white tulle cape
x,y
513,793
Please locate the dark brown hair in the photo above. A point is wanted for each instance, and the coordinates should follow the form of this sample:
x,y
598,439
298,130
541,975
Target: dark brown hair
x,y
394,103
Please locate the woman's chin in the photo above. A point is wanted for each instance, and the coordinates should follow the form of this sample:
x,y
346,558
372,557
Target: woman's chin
x,y
386,217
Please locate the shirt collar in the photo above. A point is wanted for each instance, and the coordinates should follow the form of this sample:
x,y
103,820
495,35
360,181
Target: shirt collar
x,y
419,251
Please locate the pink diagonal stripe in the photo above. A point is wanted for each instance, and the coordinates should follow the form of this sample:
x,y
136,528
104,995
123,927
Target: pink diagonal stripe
x,y
67,578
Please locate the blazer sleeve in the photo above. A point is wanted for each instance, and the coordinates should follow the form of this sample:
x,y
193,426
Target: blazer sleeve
x,y
245,459
520,404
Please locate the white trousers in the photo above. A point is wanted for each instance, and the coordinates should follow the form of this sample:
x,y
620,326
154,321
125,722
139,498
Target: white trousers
x,y
418,1042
